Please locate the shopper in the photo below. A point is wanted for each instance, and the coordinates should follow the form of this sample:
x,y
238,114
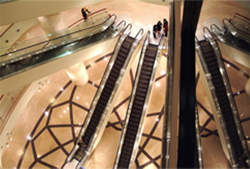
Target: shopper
x,y
155,30
165,27
159,26
84,13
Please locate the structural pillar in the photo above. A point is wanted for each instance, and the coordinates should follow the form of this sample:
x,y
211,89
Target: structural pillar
x,y
78,74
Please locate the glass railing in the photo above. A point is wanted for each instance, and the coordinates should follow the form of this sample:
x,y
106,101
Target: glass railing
x,y
241,22
75,31
236,32
226,37
101,33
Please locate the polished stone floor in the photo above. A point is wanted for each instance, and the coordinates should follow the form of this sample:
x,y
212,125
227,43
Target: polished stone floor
x,y
48,127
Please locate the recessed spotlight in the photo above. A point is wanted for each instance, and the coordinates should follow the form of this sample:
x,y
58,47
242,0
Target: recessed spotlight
x,y
29,137
46,113
228,65
157,84
52,100
163,72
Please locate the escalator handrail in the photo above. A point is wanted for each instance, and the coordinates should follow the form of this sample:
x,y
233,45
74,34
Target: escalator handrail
x,y
215,100
210,35
127,29
101,85
143,114
228,88
47,41
150,85
123,133
91,145
104,77
217,27
227,85
240,31
139,34
242,16
161,42
123,21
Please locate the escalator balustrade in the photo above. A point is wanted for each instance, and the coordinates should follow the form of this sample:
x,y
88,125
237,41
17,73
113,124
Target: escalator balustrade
x,y
137,107
224,104
107,90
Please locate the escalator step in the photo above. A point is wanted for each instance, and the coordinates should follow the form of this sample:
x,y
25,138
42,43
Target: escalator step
x,y
147,73
138,94
138,102
117,62
141,85
113,79
148,64
144,77
136,115
128,140
124,50
133,128
131,131
147,69
143,81
99,109
140,99
135,120
148,59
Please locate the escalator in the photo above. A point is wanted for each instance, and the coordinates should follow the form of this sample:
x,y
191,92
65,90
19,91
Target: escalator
x,y
137,107
238,33
241,22
210,56
64,45
105,94
226,37
108,88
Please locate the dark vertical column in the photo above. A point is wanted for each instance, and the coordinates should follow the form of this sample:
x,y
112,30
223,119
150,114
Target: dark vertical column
x,y
186,147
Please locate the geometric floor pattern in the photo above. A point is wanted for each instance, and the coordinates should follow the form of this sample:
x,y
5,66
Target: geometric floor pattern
x,y
49,125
